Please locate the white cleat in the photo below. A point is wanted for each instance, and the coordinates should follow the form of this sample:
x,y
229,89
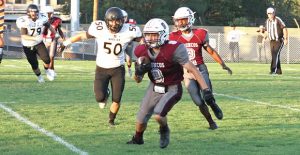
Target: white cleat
x,y
50,74
41,79
102,105
54,73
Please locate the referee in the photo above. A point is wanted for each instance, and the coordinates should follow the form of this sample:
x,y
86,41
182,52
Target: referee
x,y
278,36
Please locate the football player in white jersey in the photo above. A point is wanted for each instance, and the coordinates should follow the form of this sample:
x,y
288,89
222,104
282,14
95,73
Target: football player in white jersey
x,y
31,27
112,36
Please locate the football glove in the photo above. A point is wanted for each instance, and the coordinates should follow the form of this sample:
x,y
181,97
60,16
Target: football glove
x,y
142,66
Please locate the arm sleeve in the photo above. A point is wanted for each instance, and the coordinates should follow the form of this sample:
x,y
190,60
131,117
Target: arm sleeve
x,y
180,55
206,40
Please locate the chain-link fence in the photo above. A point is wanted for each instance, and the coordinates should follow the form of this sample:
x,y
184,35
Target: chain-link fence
x,y
247,48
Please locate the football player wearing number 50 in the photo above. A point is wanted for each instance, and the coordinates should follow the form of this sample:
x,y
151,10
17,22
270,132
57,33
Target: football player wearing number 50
x,y
112,36
31,27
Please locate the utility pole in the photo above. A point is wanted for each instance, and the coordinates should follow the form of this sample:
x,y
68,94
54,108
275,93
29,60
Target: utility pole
x,y
95,11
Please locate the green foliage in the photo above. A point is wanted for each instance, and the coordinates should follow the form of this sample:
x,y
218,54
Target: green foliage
x,y
239,21
208,12
261,113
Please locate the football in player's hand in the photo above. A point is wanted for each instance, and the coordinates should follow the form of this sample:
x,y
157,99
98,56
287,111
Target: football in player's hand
x,y
142,66
143,60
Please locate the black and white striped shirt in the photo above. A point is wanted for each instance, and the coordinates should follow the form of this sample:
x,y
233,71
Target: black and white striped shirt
x,y
275,28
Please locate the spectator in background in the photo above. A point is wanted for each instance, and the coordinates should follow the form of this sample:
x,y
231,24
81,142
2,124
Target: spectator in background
x,y
278,36
51,39
234,37
261,43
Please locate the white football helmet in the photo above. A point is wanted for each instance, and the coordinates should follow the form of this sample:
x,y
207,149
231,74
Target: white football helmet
x,y
125,15
159,26
181,13
48,9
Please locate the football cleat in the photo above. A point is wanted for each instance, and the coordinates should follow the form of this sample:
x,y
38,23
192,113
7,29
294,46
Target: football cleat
x,y
111,123
134,140
164,137
213,126
41,79
102,105
50,74
217,110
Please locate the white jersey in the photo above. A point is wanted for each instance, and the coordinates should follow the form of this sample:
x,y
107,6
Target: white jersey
x,y
34,28
111,47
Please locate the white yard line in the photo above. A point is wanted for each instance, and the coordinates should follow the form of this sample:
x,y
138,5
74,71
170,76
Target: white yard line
x,y
42,130
14,66
258,102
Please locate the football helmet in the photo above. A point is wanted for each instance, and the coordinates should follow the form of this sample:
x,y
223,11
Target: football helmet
x,y
181,13
114,14
158,26
125,15
48,9
32,8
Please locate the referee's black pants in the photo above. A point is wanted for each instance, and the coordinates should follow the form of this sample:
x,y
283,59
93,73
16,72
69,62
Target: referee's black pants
x,y
276,47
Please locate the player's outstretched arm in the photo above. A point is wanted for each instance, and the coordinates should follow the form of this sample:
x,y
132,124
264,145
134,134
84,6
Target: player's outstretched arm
x,y
217,57
78,37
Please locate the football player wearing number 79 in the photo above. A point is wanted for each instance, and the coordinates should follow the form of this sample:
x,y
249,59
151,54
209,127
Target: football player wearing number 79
x,y
31,28
112,36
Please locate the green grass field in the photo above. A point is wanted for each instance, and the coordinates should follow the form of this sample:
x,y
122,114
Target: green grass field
x,y
261,114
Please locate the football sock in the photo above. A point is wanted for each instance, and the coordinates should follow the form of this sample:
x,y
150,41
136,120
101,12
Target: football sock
x,y
205,112
112,116
38,74
164,128
139,135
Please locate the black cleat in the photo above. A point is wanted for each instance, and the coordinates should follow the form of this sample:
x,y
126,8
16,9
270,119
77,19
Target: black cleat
x,y
136,141
164,137
210,100
213,126
217,110
111,123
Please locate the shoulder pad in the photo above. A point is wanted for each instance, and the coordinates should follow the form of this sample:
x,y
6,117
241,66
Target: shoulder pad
x,y
200,31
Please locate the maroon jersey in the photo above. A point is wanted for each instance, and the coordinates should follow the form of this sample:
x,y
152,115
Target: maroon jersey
x,y
164,70
55,23
193,44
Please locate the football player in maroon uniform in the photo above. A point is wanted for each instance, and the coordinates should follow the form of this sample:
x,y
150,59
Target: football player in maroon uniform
x,y
194,40
165,71
50,39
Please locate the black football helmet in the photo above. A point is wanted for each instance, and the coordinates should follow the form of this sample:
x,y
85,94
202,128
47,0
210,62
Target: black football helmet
x,y
114,14
32,8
